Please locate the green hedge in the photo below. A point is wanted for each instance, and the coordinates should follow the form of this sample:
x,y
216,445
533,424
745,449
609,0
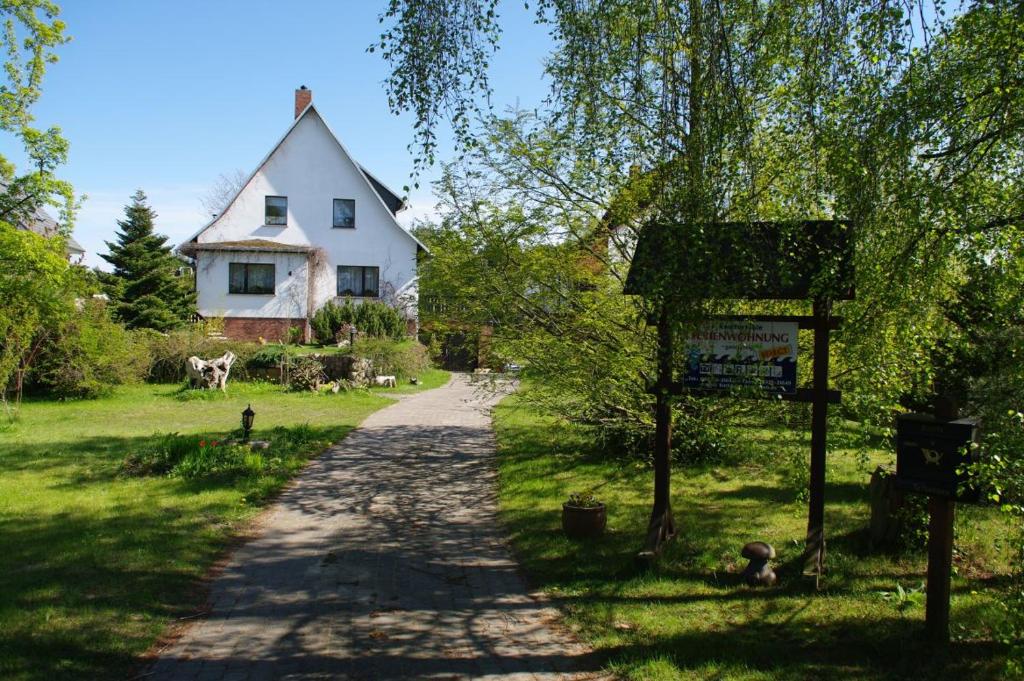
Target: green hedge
x,y
401,359
371,318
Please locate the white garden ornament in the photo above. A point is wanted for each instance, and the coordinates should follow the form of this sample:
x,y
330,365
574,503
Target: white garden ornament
x,y
209,374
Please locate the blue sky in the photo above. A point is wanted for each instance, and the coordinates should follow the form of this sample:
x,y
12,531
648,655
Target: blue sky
x,y
165,96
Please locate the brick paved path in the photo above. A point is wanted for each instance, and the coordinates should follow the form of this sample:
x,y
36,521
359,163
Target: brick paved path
x,y
383,561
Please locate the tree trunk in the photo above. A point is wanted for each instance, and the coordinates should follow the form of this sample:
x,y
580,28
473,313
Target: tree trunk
x,y
886,502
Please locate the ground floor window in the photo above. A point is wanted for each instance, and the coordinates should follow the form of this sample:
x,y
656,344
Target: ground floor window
x,y
249,277
357,280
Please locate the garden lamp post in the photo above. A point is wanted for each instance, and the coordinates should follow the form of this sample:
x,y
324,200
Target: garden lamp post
x,y
352,336
247,418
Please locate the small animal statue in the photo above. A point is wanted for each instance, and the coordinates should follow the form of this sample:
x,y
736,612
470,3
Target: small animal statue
x,y
759,572
388,381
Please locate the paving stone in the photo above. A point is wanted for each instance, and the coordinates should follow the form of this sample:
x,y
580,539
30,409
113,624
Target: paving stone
x,y
384,560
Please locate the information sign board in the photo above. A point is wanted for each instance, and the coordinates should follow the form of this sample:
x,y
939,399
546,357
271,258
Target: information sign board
x,y
729,354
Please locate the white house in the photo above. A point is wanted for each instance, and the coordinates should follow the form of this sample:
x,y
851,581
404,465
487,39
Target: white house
x,y
310,225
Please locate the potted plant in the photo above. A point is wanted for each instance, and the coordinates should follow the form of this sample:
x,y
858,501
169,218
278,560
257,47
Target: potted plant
x,y
583,516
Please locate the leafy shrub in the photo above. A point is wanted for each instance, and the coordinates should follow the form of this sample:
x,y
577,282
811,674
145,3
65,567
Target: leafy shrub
x,y
89,354
170,350
583,500
306,374
401,359
215,459
371,318
160,457
326,323
698,440
193,458
272,356
296,335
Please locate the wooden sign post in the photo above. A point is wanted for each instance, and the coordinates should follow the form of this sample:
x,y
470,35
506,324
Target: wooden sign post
x,y
814,547
941,512
752,261
930,455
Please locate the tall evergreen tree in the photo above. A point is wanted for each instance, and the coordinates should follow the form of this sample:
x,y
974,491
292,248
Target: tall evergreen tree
x,y
145,287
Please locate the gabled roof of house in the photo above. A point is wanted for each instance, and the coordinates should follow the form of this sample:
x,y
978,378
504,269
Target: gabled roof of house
x,y
391,201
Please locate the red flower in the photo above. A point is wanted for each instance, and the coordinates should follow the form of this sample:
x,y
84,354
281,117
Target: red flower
x,y
213,444
202,443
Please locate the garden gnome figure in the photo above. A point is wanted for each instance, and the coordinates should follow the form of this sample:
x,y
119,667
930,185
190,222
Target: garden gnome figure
x,y
759,572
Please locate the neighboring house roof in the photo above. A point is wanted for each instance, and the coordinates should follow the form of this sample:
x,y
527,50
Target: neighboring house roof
x,y
262,245
73,247
43,224
388,198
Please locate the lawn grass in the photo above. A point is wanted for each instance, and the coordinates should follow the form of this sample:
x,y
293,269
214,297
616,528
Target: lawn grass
x,y
430,378
95,564
691,617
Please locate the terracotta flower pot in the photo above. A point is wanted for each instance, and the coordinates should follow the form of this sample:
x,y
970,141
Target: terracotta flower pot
x,y
580,522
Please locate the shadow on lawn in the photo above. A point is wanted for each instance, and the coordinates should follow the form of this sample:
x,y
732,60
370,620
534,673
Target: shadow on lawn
x,y
67,573
692,610
879,647
835,493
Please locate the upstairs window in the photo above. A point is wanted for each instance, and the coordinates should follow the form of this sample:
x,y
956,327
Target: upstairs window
x,y
250,277
276,210
358,281
344,212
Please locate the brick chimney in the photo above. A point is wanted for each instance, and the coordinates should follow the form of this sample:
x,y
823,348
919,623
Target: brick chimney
x,y
303,96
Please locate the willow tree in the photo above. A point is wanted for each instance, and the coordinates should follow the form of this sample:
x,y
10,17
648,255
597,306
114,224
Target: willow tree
x,y
702,111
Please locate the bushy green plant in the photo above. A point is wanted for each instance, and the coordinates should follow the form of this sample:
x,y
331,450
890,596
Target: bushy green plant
x,y
583,500
193,457
272,356
397,358
326,323
371,318
215,459
159,457
88,354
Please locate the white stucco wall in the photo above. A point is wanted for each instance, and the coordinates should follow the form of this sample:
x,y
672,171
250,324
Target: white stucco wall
x,y
311,169
290,286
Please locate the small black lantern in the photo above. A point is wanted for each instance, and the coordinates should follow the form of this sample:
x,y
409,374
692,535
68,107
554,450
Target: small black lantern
x,y
352,335
247,418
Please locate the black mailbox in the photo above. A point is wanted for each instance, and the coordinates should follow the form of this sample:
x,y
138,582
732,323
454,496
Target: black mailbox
x,y
929,452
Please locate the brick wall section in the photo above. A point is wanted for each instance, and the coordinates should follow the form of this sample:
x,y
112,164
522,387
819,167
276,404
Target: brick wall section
x,y
254,328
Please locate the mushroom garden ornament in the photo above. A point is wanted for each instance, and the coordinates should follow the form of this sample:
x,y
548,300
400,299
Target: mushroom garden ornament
x,y
758,572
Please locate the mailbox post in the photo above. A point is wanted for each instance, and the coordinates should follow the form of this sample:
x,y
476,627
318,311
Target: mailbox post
x,y
929,454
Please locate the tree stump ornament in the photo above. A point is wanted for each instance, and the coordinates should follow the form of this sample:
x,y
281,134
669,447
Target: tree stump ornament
x,y
209,374
759,572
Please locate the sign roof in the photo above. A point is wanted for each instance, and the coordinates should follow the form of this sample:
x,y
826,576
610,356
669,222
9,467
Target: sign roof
x,y
744,260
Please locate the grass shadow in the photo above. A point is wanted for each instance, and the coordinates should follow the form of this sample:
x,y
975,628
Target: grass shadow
x,y
691,616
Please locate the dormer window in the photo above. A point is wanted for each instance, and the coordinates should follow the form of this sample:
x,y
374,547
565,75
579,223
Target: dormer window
x,y
276,211
344,213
